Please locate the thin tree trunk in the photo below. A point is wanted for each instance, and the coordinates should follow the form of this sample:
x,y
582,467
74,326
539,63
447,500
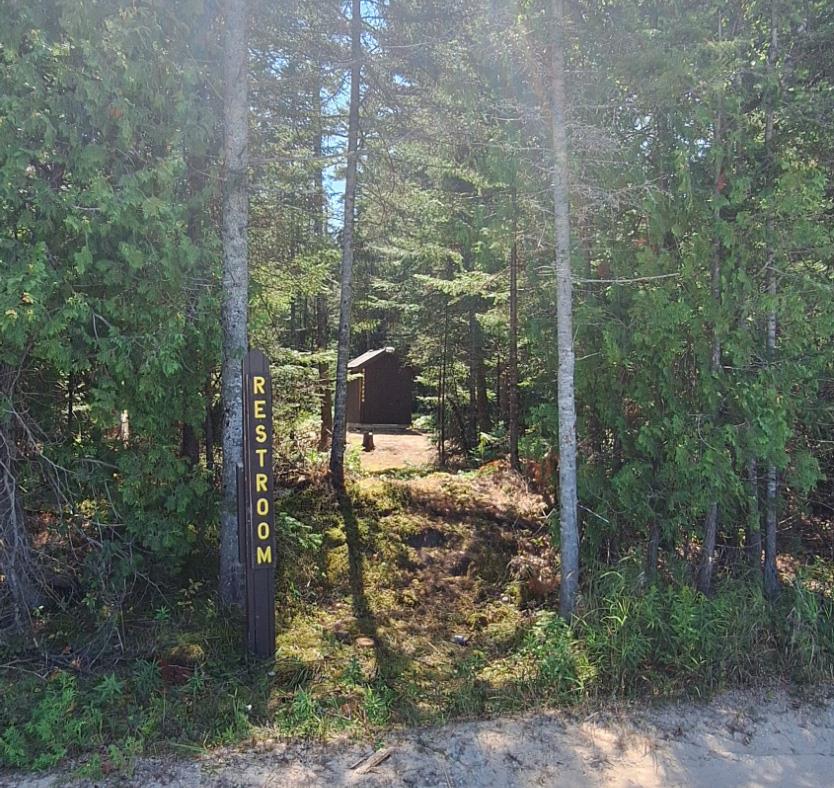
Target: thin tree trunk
x,y
568,515
474,352
652,551
320,229
190,445
326,407
704,578
512,360
235,284
771,579
484,420
441,394
293,332
754,530
499,398
70,403
18,562
208,428
337,450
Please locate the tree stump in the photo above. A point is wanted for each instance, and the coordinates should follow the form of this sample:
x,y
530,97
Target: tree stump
x,y
368,441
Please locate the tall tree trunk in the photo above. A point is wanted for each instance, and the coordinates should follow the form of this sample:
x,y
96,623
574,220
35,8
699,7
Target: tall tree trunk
x,y
320,229
704,579
484,420
652,550
18,562
208,427
500,409
474,353
441,390
754,531
337,450
771,579
512,358
70,404
326,406
293,332
235,284
568,514
190,445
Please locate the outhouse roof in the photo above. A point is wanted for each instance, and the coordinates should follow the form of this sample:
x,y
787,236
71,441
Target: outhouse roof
x,y
361,361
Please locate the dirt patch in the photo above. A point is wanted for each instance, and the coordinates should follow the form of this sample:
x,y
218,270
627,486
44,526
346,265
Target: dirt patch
x,y
430,537
394,450
750,739
492,492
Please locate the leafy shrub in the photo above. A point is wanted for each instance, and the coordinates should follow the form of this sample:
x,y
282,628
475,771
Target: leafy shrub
x,y
53,728
561,663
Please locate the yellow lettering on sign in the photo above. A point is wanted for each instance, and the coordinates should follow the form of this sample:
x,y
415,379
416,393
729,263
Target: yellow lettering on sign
x,y
260,404
258,384
263,530
261,456
260,433
262,507
260,482
264,555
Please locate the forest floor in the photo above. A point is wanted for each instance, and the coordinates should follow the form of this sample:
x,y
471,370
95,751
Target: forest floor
x,y
738,739
416,618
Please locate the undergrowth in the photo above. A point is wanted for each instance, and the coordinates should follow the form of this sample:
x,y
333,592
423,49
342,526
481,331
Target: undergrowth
x,y
450,635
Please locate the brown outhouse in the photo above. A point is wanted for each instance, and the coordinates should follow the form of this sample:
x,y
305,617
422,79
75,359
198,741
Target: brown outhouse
x,y
379,389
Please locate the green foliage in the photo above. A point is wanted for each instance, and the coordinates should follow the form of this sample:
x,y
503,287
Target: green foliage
x,y
302,716
146,679
561,666
52,727
107,305
668,639
701,212
671,638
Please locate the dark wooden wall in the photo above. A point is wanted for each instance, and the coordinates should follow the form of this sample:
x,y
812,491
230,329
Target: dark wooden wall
x,y
387,393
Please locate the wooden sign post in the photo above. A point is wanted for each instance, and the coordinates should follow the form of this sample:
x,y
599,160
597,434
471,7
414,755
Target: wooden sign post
x,y
256,518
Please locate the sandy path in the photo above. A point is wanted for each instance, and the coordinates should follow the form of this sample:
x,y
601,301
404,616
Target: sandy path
x,y
739,739
395,449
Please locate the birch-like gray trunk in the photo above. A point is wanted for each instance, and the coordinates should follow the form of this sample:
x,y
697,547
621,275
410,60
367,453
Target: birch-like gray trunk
x,y
234,311
337,449
568,515
771,579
